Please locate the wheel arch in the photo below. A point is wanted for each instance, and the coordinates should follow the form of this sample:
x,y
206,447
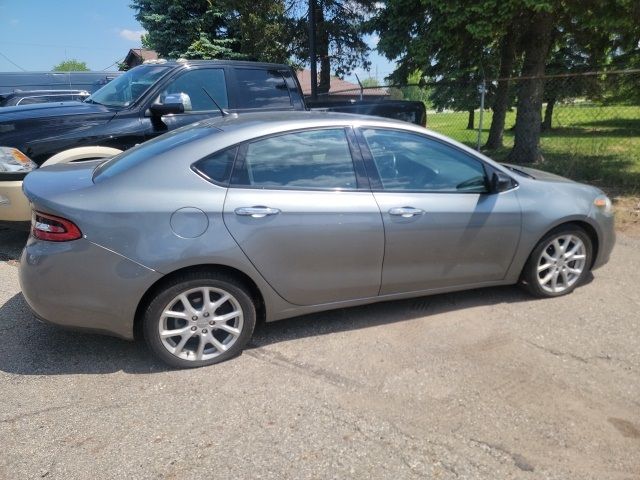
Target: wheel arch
x,y
235,273
582,223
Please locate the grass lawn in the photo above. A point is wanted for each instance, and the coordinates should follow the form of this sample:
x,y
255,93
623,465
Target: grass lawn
x,y
590,143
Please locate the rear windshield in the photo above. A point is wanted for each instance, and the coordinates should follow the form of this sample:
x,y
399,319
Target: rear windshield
x,y
148,150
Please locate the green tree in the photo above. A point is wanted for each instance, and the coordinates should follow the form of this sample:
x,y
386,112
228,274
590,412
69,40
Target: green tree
x,y
446,39
339,37
71,65
370,82
416,89
254,30
434,37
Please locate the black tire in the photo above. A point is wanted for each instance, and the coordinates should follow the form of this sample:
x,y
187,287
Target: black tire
x,y
529,277
165,297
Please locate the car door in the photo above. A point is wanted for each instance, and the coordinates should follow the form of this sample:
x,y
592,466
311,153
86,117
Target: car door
x,y
442,226
302,212
202,88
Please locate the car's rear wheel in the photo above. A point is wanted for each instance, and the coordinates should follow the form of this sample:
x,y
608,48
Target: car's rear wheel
x,y
559,263
199,319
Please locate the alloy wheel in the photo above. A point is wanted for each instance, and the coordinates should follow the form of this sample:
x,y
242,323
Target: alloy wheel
x,y
201,323
561,263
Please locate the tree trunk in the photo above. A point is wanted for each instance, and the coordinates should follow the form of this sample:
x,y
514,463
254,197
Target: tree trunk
x,y
472,114
323,52
501,100
548,115
526,148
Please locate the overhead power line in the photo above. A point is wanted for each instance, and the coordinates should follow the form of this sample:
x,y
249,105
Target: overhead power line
x,y
12,62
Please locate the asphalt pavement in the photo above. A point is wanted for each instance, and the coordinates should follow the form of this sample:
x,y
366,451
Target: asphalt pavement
x,y
485,384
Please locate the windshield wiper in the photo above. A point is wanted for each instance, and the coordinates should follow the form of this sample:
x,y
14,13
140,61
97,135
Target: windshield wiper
x,y
517,170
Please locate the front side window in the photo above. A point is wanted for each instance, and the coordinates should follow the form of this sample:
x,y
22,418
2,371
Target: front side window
x,y
408,161
258,88
201,86
315,159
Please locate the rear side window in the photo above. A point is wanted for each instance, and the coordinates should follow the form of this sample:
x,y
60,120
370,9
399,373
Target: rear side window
x,y
217,166
315,159
261,89
149,150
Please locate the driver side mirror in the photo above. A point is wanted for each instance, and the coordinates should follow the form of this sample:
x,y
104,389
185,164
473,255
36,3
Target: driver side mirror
x,y
172,104
500,182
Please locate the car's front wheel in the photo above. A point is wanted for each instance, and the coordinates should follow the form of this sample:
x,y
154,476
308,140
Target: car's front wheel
x,y
199,319
559,263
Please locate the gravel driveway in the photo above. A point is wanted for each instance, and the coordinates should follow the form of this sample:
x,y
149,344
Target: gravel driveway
x,y
482,384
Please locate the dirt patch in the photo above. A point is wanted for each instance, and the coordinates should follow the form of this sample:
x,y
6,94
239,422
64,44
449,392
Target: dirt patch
x,y
625,427
627,210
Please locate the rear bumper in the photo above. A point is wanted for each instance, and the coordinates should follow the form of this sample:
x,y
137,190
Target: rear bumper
x,y
81,285
14,206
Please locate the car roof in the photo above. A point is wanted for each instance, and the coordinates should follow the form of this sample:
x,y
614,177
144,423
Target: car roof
x,y
25,93
291,120
238,63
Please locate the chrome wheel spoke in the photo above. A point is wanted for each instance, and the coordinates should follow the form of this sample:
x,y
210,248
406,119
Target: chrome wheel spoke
x,y
206,300
227,316
186,303
179,332
543,267
565,278
180,346
217,344
202,341
215,305
554,281
573,251
547,278
174,314
227,328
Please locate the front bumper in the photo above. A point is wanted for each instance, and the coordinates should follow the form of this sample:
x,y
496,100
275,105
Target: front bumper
x,y
81,285
606,238
14,206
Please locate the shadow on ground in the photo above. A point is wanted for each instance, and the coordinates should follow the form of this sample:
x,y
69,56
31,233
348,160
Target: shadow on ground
x,y
33,348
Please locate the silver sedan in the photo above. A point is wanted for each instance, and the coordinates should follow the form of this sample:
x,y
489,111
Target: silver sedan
x,y
190,238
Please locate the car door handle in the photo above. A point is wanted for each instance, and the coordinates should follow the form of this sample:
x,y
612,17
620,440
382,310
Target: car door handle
x,y
256,212
406,212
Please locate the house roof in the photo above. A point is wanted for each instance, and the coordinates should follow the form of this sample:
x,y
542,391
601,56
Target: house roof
x,y
338,86
145,54
142,54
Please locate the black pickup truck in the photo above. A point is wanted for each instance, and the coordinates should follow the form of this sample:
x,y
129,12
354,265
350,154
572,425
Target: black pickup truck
x,y
143,103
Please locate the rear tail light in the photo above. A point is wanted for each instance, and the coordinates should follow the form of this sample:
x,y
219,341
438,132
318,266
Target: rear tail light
x,y
53,229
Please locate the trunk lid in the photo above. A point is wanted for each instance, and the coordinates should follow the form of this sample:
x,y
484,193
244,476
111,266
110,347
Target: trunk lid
x,y
59,188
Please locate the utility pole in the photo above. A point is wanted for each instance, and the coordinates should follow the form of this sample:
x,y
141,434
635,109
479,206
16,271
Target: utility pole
x,y
482,88
312,49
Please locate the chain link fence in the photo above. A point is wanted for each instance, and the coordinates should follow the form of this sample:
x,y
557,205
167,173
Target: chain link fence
x,y
590,122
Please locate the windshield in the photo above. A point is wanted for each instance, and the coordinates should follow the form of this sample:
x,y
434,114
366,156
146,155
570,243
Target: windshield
x,y
126,89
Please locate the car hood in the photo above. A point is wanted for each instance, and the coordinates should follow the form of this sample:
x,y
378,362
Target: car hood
x,y
537,174
54,109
